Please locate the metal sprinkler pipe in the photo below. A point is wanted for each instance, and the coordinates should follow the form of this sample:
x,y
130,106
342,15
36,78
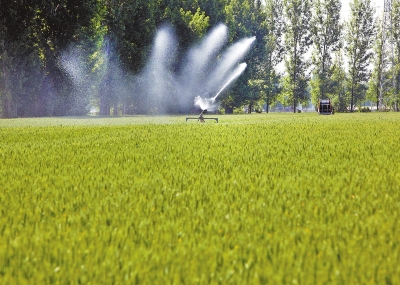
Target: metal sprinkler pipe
x,y
201,118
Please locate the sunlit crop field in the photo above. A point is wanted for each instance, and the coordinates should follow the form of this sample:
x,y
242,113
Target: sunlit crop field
x,y
254,199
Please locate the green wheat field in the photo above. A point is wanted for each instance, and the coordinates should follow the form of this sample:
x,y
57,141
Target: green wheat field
x,y
253,199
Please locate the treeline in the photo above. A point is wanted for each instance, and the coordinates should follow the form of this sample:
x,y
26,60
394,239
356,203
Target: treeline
x,y
43,42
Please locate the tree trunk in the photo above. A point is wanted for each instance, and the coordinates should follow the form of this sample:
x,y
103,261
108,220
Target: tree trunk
x,y
104,107
268,82
115,109
228,110
294,78
8,108
352,98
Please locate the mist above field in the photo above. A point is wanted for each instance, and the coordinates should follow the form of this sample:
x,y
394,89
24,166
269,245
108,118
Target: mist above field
x,y
168,83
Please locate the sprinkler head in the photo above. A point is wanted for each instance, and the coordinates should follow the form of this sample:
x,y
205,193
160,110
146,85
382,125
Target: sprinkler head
x,y
202,112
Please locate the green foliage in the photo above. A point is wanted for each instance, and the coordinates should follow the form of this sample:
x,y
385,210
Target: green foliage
x,y
186,18
214,9
315,87
301,91
197,22
130,28
254,199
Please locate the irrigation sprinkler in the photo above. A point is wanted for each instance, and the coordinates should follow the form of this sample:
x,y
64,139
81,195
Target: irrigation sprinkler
x,y
201,118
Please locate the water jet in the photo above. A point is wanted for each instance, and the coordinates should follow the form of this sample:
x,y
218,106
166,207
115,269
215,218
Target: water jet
x,y
167,83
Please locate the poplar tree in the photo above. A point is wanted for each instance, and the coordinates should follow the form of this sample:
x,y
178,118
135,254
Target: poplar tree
x,y
396,46
360,32
21,73
245,18
257,56
338,91
297,15
35,34
326,35
273,48
130,27
375,88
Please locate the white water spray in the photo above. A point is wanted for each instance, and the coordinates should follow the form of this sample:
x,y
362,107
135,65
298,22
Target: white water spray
x,y
205,103
229,59
209,103
235,74
168,84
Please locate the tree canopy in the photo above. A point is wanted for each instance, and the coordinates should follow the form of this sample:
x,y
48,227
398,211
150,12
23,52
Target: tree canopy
x,y
64,57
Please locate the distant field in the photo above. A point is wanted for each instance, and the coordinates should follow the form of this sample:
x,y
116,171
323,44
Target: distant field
x,y
254,199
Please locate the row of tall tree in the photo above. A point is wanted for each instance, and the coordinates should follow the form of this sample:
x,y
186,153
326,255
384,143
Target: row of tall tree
x,y
323,55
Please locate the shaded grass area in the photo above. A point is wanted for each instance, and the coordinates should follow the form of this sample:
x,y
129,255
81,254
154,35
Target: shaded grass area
x,y
256,199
